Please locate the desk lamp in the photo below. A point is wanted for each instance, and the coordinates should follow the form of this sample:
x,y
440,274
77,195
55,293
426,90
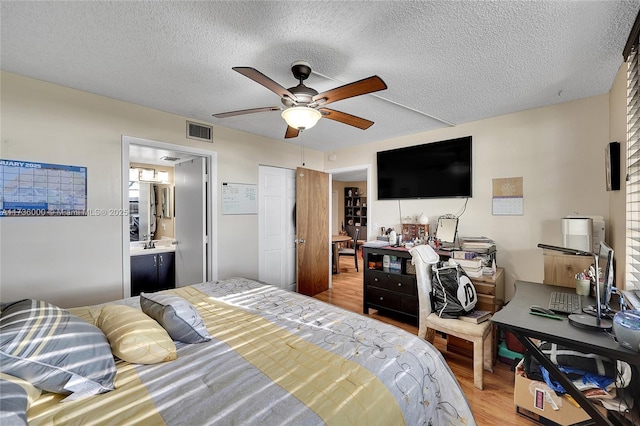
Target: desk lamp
x,y
585,320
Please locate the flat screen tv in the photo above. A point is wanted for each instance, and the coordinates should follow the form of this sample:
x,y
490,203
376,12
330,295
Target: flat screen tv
x,y
432,170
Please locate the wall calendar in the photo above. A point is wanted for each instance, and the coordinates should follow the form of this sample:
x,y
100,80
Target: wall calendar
x,y
508,197
42,189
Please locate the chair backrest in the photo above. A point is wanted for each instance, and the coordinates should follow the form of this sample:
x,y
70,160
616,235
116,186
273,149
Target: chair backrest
x,y
355,236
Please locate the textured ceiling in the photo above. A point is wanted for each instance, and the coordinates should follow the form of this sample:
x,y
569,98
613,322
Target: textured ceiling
x,y
444,62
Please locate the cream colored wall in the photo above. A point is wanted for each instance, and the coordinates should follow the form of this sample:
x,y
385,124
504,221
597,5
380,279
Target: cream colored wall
x,y
338,221
618,199
78,260
558,151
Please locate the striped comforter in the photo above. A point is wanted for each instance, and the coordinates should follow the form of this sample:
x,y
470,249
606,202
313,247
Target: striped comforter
x,y
276,357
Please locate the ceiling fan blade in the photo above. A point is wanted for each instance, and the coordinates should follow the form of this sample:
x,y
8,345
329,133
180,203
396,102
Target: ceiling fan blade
x,y
246,111
357,88
291,133
343,117
260,78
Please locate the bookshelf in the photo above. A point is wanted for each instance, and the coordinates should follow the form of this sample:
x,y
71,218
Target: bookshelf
x,y
355,207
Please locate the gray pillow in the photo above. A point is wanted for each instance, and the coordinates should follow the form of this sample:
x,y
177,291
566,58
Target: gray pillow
x,y
13,404
176,315
54,350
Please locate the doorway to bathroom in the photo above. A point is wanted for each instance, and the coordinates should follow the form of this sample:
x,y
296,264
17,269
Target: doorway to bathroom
x,y
190,204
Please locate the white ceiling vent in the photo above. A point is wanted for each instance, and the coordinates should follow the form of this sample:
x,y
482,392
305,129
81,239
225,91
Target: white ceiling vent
x,y
199,131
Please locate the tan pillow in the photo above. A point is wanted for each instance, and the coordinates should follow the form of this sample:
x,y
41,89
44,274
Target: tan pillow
x,y
135,337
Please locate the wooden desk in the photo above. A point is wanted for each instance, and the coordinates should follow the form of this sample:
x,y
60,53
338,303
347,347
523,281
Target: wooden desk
x,y
335,239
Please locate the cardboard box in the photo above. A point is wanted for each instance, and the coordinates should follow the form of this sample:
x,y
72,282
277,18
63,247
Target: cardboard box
x,y
535,400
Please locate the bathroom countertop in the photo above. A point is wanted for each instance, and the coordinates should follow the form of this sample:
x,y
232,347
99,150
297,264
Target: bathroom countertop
x,y
158,249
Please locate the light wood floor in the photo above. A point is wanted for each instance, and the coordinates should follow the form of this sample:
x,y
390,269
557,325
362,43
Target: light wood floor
x,y
491,406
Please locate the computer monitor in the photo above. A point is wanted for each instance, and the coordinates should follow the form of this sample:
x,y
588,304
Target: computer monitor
x,y
605,261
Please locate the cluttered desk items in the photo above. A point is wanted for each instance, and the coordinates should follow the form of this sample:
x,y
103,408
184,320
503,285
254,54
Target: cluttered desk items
x,y
515,317
599,316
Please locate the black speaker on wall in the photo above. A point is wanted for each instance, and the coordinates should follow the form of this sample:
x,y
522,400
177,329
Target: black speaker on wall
x,y
612,166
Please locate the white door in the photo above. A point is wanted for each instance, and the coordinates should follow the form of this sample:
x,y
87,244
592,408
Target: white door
x,y
276,229
190,221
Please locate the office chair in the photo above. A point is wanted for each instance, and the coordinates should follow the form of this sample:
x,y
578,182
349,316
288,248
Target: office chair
x,y
351,251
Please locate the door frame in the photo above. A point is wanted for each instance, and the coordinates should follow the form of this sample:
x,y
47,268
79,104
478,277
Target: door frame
x,y
370,215
211,158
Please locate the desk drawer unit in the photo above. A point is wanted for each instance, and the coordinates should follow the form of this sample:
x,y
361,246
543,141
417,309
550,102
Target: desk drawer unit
x,y
381,299
405,284
389,291
485,288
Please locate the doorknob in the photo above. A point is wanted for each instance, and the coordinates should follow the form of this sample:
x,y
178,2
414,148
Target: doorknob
x,y
300,241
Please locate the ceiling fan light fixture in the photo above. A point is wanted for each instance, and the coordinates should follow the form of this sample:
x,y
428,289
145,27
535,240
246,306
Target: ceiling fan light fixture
x,y
301,117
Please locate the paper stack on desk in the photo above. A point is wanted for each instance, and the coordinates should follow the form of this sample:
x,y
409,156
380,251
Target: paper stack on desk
x,y
484,248
477,244
376,243
473,267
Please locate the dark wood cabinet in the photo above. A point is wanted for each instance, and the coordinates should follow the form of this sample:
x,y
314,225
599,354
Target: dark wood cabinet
x,y
152,272
390,290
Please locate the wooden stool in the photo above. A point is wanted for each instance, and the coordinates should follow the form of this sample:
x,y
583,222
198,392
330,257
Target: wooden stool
x,y
479,334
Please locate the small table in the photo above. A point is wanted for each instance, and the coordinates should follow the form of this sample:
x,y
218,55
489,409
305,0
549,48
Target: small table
x,y
335,239
515,318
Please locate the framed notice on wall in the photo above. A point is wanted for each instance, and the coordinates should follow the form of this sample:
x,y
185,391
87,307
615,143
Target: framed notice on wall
x,y
42,189
239,198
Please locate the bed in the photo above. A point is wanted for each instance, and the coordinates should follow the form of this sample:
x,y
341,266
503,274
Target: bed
x,y
271,357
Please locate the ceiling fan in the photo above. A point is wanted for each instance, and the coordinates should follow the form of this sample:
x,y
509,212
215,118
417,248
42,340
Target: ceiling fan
x,y
304,106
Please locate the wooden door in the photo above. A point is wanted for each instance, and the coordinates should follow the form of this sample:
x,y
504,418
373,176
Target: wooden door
x,y
312,231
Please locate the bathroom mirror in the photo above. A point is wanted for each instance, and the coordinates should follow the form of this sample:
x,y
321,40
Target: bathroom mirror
x,y
142,218
166,210
151,215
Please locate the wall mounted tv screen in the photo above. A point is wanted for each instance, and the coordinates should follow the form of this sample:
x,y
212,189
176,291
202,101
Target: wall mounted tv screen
x,y
432,170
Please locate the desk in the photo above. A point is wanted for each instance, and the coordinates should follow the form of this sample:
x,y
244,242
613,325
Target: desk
x,y
515,317
335,239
